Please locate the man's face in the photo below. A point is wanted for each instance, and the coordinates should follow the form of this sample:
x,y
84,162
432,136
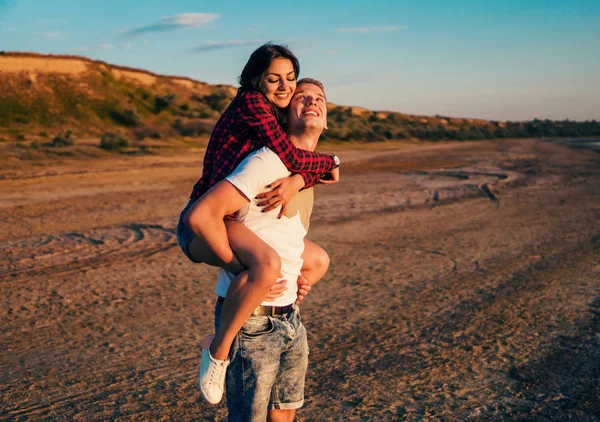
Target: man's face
x,y
308,109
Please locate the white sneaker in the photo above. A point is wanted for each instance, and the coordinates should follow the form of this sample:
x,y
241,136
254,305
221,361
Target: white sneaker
x,y
212,374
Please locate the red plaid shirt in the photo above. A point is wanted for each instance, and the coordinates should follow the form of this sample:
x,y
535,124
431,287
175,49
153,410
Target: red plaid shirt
x,y
249,124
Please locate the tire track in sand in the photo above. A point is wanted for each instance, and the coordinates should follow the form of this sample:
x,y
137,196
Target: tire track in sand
x,y
73,252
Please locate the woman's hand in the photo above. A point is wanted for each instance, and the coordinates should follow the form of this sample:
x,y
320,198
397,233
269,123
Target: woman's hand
x,y
332,177
281,193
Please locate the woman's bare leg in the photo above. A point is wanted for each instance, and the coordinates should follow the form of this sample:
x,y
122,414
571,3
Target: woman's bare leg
x,y
248,289
201,251
316,262
206,218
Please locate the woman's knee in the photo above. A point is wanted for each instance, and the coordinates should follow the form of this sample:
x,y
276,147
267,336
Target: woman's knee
x,y
268,267
271,262
318,260
190,218
323,260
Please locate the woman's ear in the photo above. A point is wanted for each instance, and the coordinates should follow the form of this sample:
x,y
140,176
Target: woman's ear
x,y
325,128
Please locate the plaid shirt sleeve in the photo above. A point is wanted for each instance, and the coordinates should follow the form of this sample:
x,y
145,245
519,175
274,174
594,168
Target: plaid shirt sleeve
x,y
256,112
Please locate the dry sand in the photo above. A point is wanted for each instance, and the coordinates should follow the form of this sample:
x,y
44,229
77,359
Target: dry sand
x,y
464,285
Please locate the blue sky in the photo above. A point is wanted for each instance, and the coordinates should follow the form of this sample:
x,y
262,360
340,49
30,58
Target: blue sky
x,y
501,60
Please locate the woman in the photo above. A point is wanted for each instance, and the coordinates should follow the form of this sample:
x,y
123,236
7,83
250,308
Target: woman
x,y
251,121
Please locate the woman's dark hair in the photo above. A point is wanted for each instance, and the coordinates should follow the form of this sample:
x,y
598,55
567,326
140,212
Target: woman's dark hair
x,y
255,71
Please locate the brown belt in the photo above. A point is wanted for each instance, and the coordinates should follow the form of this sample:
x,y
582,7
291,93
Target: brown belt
x,y
265,310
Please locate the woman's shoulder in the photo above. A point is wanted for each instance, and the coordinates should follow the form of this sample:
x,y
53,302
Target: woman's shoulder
x,y
252,98
250,94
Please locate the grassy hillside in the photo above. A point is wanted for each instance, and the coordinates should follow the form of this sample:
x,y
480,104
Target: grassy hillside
x,y
65,101
40,97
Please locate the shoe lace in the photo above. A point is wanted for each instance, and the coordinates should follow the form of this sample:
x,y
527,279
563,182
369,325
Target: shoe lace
x,y
218,375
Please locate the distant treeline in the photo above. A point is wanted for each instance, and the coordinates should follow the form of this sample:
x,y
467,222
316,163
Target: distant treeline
x,y
346,125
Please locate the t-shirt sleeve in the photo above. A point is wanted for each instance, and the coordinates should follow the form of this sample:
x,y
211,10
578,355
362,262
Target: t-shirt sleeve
x,y
256,171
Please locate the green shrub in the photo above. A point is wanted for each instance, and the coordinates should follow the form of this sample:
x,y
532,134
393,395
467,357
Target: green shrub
x,y
143,94
113,142
128,117
162,102
62,139
218,100
203,111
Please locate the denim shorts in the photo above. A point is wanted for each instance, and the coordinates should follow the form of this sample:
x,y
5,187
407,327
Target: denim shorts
x,y
269,358
184,233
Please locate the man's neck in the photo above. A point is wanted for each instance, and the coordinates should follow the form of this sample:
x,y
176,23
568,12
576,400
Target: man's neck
x,y
305,141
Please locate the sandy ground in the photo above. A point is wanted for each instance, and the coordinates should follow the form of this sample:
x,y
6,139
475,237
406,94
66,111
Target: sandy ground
x,y
464,285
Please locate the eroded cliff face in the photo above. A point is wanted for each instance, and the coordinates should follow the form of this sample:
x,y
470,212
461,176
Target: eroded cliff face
x,y
91,96
34,63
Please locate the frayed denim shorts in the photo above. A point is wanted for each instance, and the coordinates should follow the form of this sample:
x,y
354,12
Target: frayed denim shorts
x,y
184,233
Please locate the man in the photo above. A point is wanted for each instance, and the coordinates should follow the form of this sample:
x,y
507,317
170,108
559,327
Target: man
x,y
269,357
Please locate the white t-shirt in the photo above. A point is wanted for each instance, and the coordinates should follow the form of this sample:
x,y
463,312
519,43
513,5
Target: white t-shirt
x,y
285,235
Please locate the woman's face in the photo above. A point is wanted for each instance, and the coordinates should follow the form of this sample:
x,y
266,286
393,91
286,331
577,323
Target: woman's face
x,y
280,83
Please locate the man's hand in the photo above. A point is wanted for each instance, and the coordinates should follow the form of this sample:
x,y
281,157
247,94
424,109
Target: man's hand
x,y
303,289
332,177
276,290
281,193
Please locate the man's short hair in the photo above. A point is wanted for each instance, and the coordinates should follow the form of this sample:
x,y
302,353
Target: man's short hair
x,y
312,81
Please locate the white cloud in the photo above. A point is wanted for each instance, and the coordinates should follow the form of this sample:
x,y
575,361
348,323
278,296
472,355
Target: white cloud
x,y
49,34
170,23
194,20
219,45
126,46
105,46
368,29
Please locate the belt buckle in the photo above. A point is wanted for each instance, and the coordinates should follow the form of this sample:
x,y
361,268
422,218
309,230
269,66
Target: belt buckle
x,y
262,311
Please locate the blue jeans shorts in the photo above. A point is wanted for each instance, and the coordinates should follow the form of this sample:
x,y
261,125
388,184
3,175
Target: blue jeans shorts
x,y
184,233
269,358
